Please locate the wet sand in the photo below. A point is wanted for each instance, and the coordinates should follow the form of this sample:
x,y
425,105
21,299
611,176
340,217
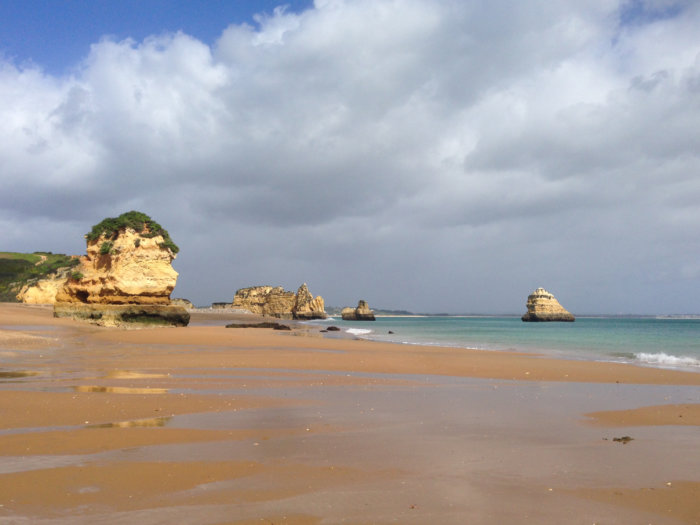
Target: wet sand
x,y
212,425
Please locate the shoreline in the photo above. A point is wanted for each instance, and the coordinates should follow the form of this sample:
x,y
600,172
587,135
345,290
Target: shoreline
x,y
381,357
591,340
222,425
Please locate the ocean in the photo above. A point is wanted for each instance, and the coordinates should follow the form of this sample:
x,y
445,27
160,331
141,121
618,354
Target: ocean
x,y
657,342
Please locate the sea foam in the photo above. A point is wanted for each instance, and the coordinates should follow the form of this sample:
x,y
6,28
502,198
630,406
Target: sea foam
x,y
358,331
662,359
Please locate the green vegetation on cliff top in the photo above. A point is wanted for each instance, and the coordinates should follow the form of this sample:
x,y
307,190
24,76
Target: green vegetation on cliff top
x,y
18,269
139,222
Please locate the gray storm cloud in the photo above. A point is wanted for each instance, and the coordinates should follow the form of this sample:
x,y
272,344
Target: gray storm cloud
x,y
426,155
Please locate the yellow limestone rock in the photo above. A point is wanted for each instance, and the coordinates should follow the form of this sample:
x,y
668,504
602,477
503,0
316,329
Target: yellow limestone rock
x,y
135,270
43,291
307,306
361,313
542,306
270,301
276,302
126,276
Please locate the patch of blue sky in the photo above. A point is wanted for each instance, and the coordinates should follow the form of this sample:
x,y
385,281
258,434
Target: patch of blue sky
x,y
643,12
56,35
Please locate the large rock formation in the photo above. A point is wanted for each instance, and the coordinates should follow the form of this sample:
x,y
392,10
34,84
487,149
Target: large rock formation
x,y
306,306
276,302
361,313
128,263
542,306
270,301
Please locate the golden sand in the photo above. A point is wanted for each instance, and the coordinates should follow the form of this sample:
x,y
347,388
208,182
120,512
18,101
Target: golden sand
x,y
211,425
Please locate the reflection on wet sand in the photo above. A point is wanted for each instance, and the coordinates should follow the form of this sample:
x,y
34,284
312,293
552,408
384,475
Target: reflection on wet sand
x,y
135,423
119,389
133,374
150,485
666,496
16,374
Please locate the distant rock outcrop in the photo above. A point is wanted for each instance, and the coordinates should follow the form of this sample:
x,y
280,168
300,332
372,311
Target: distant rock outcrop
x,y
276,302
128,263
221,306
270,301
361,313
185,303
542,306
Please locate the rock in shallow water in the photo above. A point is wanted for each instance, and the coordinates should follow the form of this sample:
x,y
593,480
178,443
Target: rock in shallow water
x,y
543,307
361,313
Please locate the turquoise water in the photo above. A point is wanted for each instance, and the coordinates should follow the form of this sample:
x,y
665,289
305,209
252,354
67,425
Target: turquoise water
x,y
673,343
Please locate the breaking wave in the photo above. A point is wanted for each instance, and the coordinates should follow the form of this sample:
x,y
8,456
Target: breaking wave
x,y
358,331
662,359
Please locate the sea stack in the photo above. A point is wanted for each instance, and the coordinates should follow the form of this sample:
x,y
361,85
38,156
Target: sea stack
x,y
125,278
542,307
276,302
361,313
306,306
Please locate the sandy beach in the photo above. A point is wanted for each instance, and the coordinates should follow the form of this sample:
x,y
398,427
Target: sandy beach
x,y
211,425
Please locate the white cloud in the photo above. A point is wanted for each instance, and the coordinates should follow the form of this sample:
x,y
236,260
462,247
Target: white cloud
x,y
384,149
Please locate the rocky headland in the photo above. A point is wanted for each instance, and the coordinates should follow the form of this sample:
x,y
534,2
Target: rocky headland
x,y
542,307
275,301
361,313
33,278
125,277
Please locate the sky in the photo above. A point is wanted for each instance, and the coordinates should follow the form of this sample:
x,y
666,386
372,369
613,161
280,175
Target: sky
x,y
426,155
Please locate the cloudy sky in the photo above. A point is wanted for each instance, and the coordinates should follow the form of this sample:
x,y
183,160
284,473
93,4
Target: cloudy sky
x,y
429,155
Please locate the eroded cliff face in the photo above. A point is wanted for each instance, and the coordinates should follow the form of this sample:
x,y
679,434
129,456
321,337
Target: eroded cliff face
x,y
276,302
44,291
130,269
361,313
270,301
307,306
542,306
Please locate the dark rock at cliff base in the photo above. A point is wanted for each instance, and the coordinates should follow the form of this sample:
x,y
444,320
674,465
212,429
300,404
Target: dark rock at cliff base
x,y
543,318
129,315
543,307
263,324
